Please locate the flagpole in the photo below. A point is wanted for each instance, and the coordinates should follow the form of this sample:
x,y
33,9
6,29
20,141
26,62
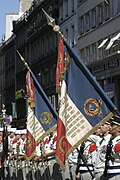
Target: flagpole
x,y
85,71
39,86
95,84
56,28
80,156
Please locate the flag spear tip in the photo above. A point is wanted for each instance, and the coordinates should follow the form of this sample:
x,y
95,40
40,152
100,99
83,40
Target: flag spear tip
x,y
51,22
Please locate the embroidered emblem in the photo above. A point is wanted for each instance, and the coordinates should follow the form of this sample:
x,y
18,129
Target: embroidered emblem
x,y
62,145
46,118
29,143
67,61
92,107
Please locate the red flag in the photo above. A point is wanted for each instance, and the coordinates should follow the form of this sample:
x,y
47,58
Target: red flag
x,y
30,144
60,64
62,145
83,106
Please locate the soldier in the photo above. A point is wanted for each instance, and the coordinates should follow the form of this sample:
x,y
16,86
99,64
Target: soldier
x,y
21,155
1,147
49,155
99,162
113,151
1,153
88,151
71,165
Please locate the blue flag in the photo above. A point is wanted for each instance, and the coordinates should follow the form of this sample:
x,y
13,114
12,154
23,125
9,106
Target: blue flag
x,y
85,91
45,116
83,105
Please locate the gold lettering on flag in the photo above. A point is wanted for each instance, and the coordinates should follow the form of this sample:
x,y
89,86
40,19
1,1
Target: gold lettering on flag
x,y
76,124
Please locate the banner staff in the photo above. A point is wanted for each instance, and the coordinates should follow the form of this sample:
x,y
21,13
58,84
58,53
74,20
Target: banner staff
x,y
51,22
39,86
56,28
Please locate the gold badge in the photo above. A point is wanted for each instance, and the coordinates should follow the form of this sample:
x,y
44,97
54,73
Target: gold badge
x,y
62,143
46,118
29,142
92,107
67,62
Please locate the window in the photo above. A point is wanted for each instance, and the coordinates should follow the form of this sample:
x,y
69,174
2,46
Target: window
x,y
81,27
100,14
87,54
73,34
116,7
72,5
106,11
82,54
61,10
94,53
66,33
93,18
87,22
66,7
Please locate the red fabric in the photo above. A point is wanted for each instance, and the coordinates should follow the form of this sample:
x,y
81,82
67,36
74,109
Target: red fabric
x,y
46,141
92,147
54,139
60,62
117,148
14,141
37,144
18,142
62,146
30,87
30,145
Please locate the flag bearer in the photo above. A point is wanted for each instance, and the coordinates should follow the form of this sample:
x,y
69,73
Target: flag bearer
x,y
113,151
71,165
99,163
54,168
88,150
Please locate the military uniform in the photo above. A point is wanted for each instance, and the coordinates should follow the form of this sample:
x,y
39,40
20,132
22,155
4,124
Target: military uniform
x,y
71,165
99,163
113,170
52,171
88,155
113,151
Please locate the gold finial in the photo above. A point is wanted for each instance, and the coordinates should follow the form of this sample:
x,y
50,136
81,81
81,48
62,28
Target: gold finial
x,y
26,65
51,22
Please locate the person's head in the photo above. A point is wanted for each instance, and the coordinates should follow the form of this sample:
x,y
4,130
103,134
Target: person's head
x,y
23,137
105,128
12,134
98,132
115,123
18,136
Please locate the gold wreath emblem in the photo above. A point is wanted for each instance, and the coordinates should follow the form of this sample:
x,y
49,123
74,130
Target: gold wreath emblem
x,y
92,107
67,62
62,143
29,143
46,118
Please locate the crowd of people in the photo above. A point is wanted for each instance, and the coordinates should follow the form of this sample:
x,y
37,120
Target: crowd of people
x,y
96,158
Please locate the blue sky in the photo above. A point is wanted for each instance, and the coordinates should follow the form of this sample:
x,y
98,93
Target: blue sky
x,y
6,7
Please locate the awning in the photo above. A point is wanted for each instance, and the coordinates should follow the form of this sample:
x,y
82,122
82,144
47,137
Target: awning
x,y
103,43
112,41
